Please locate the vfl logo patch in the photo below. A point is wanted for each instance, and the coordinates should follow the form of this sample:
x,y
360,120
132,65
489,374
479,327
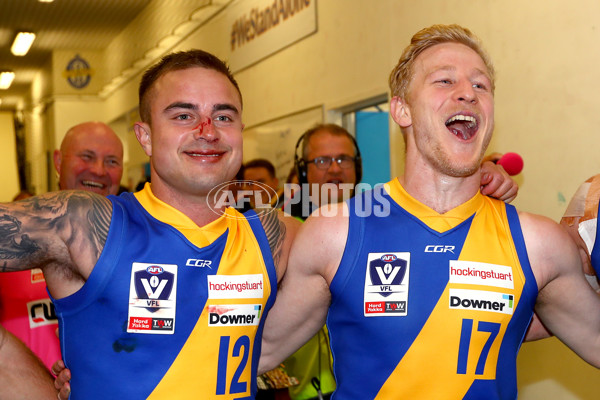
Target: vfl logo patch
x,y
234,314
152,298
41,312
386,284
153,284
480,300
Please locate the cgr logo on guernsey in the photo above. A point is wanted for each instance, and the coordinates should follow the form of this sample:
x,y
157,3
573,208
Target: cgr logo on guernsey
x,y
439,249
196,262
478,273
235,286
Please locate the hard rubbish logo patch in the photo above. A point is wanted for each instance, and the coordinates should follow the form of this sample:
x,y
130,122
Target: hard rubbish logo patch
x,y
480,300
152,298
386,284
234,314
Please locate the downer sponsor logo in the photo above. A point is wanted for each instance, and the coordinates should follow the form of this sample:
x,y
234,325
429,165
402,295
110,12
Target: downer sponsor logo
x,y
234,314
479,300
235,286
478,273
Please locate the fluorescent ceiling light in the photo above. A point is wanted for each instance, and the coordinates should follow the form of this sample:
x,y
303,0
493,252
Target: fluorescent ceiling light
x,y
6,78
22,43
45,1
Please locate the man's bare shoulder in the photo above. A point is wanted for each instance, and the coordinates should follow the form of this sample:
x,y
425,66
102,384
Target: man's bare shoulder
x,y
62,232
550,249
321,240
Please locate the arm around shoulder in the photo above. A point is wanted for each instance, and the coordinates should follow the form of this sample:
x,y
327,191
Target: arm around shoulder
x,y
303,297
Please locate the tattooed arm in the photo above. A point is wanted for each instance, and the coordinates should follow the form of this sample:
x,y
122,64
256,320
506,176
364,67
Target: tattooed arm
x,y
280,230
61,232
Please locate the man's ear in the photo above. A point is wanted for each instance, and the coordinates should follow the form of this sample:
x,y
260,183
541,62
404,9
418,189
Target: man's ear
x,y
400,112
57,157
142,133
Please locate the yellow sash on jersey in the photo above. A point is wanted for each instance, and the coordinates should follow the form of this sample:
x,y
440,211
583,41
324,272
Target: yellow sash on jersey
x,y
429,368
193,374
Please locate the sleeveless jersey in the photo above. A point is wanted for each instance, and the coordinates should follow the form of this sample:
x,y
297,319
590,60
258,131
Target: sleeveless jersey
x,y
170,310
428,305
27,312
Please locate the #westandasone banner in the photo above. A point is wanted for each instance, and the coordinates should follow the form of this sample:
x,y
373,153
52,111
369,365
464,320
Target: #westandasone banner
x,y
259,28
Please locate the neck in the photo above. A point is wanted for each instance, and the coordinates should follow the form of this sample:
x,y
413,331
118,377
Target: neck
x,y
194,207
436,190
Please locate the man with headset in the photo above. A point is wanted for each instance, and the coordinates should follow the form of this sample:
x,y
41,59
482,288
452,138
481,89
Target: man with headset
x,y
329,156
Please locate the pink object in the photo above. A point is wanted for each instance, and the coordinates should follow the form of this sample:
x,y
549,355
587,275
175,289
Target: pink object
x,y
511,162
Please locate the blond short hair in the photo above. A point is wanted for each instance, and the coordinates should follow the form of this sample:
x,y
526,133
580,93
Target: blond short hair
x,y
402,74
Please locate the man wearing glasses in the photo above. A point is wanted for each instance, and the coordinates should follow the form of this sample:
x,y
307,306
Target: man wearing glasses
x,y
328,156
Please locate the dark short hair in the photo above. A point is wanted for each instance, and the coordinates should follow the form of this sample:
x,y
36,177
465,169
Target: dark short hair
x,y
261,163
175,62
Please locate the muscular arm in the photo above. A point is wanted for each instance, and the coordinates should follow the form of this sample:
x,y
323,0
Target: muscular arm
x,y
280,230
61,232
303,297
22,374
566,303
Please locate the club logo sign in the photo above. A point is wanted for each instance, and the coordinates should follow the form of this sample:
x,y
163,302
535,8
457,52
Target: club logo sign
x,y
386,284
152,298
41,312
78,72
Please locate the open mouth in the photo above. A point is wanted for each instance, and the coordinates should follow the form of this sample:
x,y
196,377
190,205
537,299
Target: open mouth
x,y
92,184
463,126
207,155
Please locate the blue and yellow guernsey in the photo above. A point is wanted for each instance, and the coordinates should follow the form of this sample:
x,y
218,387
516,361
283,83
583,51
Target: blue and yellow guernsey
x,y
171,310
428,305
